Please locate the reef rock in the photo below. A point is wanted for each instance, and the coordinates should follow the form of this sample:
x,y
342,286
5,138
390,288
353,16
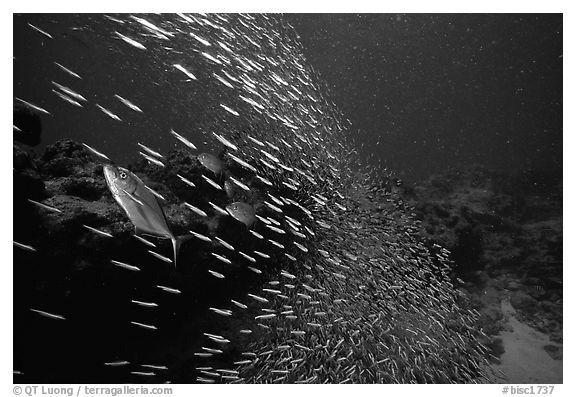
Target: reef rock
x,y
28,125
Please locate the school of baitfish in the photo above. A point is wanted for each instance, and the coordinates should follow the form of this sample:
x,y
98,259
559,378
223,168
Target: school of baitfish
x,y
348,292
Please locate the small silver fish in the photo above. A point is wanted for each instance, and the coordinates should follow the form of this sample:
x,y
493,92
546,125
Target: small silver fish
x,y
169,289
259,298
216,274
211,58
264,180
222,258
264,317
48,315
228,371
113,19
262,254
300,246
32,106
67,99
130,41
69,91
230,110
247,257
125,265
24,246
275,229
140,373
202,354
186,181
155,193
145,304
161,257
239,184
275,243
185,141
100,232
128,103
160,367
200,39
71,73
225,141
224,243
145,326
218,209
44,206
222,312
201,236
152,160
256,141
185,71
151,26
40,31
108,113
242,162
97,153
256,234
143,240
211,182
273,207
223,81
240,305
119,363
196,209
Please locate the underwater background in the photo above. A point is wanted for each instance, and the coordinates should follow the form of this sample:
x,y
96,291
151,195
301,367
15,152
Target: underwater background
x,y
404,173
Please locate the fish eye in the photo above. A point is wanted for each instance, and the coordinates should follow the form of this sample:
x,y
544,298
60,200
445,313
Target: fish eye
x,y
122,175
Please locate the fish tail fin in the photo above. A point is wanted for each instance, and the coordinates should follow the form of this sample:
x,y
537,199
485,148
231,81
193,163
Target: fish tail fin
x,y
176,243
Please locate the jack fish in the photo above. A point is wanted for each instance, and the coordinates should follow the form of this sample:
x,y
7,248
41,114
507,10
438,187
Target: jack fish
x,y
140,205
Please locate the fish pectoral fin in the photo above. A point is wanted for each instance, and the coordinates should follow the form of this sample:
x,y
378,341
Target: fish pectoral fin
x,y
142,232
133,198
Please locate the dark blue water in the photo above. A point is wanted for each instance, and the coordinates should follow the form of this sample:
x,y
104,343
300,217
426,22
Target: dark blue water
x,y
430,91
423,92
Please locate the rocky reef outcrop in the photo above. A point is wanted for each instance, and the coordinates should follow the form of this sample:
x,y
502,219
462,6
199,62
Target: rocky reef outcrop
x,y
27,125
76,258
58,198
505,235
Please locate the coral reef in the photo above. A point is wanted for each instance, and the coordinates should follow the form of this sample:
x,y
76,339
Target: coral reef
x,y
505,235
27,125
85,256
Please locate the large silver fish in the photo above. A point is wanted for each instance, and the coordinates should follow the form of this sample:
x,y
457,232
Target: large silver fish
x,y
140,205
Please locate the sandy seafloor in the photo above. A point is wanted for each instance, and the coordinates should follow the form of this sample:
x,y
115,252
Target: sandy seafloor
x,y
524,359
